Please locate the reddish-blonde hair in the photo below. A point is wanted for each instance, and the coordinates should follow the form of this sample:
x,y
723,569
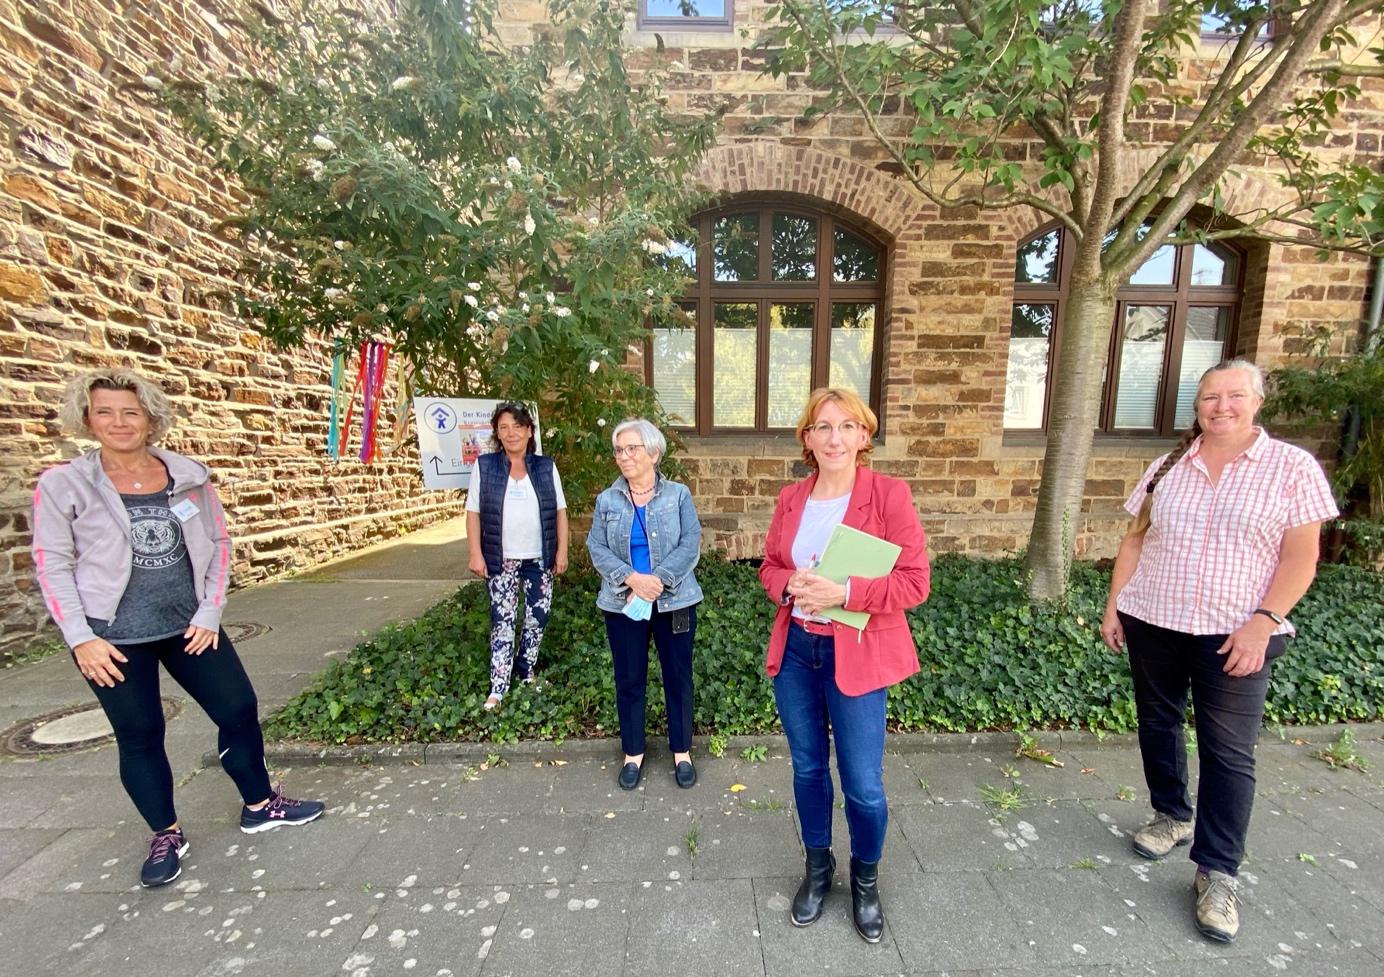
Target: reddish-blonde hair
x,y
850,402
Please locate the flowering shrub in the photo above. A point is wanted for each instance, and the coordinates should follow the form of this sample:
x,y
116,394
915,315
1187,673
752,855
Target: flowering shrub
x,y
492,211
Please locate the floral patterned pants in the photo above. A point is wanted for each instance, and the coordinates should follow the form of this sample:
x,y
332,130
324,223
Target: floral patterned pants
x,y
537,584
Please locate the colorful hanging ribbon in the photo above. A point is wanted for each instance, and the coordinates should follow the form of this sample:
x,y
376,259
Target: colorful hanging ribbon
x,y
376,357
334,426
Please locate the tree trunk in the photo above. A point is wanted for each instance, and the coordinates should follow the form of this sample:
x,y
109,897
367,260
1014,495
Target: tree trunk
x,y
1077,377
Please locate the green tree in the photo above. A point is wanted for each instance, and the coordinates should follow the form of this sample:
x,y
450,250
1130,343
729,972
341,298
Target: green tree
x,y
979,78
491,210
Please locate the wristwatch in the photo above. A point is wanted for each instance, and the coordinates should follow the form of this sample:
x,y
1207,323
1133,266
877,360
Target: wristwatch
x,y
1275,618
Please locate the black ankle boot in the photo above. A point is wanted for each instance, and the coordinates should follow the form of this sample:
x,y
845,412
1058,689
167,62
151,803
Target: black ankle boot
x,y
807,904
866,911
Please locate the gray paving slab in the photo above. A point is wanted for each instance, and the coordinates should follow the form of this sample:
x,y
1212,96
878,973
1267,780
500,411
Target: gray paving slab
x,y
430,931
978,929
1089,923
586,786
639,847
690,929
963,837
18,845
562,930
746,844
828,946
1067,834
526,849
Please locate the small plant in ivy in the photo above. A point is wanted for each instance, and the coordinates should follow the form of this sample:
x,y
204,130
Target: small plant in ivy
x,y
716,746
756,753
1085,863
1307,857
691,839
1125,793
1029,749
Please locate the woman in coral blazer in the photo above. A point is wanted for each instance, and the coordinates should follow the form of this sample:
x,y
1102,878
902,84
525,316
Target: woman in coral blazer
x,y
827,672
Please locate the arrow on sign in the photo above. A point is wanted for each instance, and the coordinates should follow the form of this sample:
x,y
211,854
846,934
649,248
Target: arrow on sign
x,y
437,467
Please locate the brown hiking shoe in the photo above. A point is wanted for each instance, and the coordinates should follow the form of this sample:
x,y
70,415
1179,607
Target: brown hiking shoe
x,y
1162,835
1218,905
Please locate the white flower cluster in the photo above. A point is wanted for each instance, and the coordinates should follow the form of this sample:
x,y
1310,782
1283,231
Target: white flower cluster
x,y
513,164
653,247
323,143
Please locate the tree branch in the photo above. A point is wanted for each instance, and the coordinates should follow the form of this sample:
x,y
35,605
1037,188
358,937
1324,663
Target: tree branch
x,y
1110,138
1306,38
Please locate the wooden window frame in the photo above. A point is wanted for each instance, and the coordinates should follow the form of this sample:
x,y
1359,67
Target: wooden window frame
x,y
821,292
1181,296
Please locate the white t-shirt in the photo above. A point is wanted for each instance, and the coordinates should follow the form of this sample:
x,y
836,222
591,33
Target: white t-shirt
x,y
521,531
820,518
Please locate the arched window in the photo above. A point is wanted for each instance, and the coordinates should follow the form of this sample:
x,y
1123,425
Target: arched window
x,y
1174,318
785,300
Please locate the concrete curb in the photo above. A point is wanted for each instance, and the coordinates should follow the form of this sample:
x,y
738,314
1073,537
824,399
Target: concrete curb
x,y
291,752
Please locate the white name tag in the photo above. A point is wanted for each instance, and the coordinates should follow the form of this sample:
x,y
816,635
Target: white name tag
x,y
185,510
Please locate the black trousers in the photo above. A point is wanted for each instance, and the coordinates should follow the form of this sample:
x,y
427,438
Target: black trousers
x,y
1228,710
216,680
629,648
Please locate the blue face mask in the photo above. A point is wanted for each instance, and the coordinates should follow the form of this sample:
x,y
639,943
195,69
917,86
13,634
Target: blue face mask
x,y
638,609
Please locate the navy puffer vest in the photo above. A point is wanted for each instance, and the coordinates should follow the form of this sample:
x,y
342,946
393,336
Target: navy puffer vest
x,y
494,485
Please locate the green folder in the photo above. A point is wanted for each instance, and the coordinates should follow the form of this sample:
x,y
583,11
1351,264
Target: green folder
x,y
851,553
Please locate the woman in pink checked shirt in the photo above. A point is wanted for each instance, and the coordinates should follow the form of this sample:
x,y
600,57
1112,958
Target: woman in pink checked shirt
x,y
132,555
1223,545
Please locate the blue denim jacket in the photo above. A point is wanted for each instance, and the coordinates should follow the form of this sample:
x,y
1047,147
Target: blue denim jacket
x,y
675,544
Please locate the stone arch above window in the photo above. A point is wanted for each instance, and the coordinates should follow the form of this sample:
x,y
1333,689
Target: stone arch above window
x,y
1176,316
784,298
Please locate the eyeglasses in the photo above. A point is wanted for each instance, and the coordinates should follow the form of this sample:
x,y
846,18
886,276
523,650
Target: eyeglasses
x,y
847,429
629,450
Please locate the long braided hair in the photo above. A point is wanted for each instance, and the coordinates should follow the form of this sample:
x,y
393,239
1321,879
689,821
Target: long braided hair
x,y
1145,517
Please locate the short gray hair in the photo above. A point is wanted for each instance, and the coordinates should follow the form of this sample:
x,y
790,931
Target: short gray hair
x,y
654,441
76,399
1256,375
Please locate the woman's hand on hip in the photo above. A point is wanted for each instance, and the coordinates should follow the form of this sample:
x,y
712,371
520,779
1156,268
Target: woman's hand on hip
x,y
1112,631
1246,646
200,639
96,658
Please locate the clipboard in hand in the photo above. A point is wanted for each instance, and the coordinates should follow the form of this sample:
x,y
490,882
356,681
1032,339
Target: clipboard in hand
x,y
851,553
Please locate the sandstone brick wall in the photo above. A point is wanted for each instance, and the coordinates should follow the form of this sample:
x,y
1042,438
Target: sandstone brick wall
x,y
109,255
950,289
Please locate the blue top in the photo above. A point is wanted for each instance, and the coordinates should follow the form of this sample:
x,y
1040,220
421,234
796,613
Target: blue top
x,y
639,541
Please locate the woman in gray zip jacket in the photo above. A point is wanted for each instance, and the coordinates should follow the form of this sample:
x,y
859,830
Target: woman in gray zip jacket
x,y
133,559
645,540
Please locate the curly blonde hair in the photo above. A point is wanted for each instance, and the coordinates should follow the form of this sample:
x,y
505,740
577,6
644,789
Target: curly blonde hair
x,y
76,399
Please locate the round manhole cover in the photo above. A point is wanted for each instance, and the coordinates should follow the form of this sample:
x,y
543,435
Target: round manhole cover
x,y
67,730
242,631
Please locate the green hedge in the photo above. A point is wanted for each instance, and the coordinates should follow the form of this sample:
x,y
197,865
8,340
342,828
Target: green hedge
x,y
991,660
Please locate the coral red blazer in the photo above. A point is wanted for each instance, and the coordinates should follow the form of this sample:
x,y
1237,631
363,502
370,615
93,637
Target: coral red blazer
x,y
884,653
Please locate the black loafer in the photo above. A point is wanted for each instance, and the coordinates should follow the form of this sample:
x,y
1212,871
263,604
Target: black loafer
x,y
685,774
629,776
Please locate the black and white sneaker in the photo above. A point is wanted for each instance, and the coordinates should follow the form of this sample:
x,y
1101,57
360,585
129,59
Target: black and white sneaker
x,y
165,861
278,812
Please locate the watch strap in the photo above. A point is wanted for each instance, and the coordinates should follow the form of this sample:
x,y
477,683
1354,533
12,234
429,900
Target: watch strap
x,y
1275,618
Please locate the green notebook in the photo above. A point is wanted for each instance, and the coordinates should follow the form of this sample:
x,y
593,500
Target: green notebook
x,y
851,553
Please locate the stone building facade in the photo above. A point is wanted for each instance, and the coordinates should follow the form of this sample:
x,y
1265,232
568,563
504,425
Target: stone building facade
x,y
110,253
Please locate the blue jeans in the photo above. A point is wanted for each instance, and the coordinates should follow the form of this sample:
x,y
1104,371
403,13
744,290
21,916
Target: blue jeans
x,y
808,700
1166,665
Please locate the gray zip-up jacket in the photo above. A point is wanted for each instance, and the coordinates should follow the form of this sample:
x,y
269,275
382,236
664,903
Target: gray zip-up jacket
x,y
83,554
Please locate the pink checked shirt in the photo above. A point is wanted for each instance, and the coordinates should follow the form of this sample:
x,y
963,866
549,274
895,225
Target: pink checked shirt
x,y
1212,550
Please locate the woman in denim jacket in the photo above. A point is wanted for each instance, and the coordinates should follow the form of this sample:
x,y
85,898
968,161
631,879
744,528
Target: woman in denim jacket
x,y
645,541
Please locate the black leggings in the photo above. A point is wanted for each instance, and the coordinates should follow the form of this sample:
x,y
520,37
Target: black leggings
x,y
217,681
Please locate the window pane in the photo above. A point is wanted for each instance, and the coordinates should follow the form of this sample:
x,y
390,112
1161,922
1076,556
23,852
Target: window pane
x,y
852,346
853,259
735,246
1026,380
795,248
1212,267
685,8
1144,336
675,366
1158,270
1037,260
734,346
790,361
1202,348
681,256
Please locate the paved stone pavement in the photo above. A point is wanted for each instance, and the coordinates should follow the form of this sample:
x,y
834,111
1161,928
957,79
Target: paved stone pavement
x,y
446,862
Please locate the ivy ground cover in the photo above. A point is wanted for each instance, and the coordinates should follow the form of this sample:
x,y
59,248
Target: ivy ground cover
x,y
991,659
